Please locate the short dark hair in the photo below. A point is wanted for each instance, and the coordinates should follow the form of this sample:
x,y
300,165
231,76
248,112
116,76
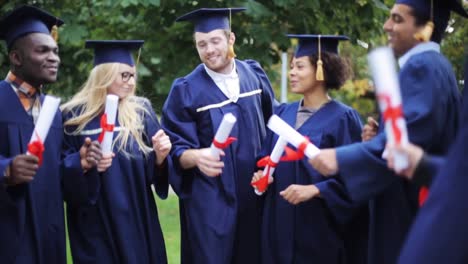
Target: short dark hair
x,y
420,19
336,70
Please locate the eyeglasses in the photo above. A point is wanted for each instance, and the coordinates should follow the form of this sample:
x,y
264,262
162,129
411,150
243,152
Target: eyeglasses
x,y
127,75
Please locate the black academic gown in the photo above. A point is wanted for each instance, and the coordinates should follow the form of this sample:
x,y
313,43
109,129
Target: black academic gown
x,y
220,216
431,105
32,223
112,216
318,230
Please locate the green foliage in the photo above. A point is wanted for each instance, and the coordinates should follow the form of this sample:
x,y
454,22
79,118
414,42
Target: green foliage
x,y
169,51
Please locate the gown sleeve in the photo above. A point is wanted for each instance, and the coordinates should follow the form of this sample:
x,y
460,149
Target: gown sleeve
x,y
179,122
332,190
79,187
158,176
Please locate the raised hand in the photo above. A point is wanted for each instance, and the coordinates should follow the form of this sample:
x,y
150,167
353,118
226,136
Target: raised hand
x,y
161,146
370,129
90,154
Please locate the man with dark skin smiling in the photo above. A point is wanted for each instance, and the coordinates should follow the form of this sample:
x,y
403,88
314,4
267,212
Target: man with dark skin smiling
x,y
431,106
31,204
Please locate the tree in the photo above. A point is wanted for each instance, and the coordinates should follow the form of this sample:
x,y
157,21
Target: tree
x,y
169,51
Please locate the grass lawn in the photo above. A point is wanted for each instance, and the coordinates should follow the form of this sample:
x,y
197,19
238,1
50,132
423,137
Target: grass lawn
x,y
169,218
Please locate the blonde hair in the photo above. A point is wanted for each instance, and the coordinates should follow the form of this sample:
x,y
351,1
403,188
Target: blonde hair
x,y
89,102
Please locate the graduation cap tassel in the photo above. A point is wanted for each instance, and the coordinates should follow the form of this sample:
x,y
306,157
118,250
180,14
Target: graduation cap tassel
x,y
231,54
425,34
319,72
138,59
54,32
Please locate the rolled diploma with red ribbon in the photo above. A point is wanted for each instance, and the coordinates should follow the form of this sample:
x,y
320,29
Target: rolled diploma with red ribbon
x,y
383,68
282,129
46,116
275,157
112,102
223,132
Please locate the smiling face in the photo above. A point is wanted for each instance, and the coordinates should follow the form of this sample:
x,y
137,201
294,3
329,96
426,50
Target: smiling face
x,y
35,59
401,27
124,83
213,49
302,75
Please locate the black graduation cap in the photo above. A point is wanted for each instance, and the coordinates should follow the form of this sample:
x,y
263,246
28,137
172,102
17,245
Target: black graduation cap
x,y
24,20
110,51
209,19
314,44
437,10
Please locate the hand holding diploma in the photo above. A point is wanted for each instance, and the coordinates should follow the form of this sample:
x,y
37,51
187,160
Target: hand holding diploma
x,y
23,167
46,116
222,139
269,162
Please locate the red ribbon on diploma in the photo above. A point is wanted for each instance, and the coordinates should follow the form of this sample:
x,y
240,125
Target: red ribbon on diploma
x,y
423,193
225,144
392,114
105,127
291,155
262,183
37,148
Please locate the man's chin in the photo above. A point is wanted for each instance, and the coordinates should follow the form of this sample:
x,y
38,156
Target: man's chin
x,y
50,79
212,66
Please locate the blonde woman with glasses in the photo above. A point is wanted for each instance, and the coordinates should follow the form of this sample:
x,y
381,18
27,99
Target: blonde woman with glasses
x,y
111,211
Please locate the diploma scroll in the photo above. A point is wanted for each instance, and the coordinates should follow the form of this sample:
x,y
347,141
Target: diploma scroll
x,y
44,121
383,67
107,123
281,128
222,139
262,184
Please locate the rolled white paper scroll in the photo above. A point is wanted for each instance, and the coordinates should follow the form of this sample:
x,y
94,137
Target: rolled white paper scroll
x,y
275,157
44,121
112,101
223,132
281,128
383,68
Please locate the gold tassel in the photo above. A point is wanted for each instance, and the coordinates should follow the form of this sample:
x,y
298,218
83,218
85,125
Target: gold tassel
x,y
425,34
319,72
54,32
231,54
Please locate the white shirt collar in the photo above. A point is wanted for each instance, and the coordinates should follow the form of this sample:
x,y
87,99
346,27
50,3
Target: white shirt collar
x,y
227,83
422,47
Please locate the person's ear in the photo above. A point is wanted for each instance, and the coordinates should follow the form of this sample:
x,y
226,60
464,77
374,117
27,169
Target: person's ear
x,y
16,58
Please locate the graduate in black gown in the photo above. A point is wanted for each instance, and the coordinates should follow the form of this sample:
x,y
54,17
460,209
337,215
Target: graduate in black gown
x,y
431,105
220,214
111,211
438,234
307,217
32,225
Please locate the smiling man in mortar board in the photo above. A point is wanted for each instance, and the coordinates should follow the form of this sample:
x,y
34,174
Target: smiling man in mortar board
x,y
431,105
31,206
220,213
